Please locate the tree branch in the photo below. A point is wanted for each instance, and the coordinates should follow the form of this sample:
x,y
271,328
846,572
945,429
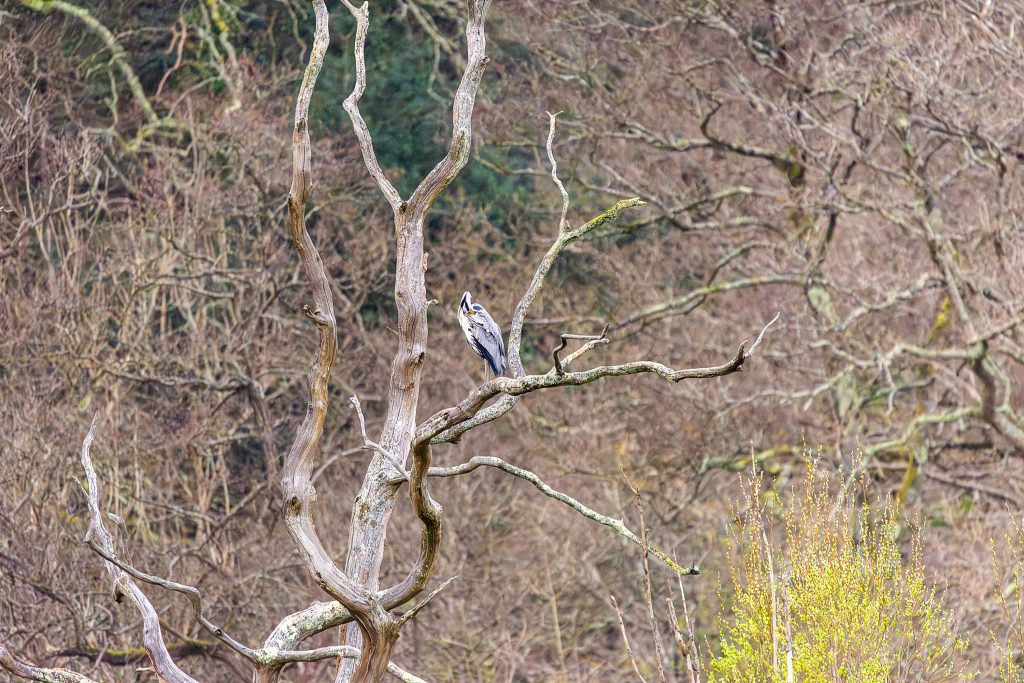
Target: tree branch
x,y
192,593
515,336
429,512
273,658
375,500
625,639
297,489
462,113
444,423
34,673
423,603
616,525
153,641
117,52
362,17
593,338
996,413
371,445
554,172
687,302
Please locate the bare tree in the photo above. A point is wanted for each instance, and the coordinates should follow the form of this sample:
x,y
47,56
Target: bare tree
x,y
357,597
886,223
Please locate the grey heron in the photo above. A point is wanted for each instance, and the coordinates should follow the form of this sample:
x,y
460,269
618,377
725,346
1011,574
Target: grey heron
x,y
483,334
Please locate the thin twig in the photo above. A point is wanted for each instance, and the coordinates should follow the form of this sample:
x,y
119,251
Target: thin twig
x,y
775,611
595,338
750,351
684,650
423,603
695,662
554,171
625,639
648,591
373,445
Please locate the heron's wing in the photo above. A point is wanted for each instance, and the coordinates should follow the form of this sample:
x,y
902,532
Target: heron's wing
x,y
489,343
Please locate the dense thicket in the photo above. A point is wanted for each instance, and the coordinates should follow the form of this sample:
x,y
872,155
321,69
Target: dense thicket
x,y
855,166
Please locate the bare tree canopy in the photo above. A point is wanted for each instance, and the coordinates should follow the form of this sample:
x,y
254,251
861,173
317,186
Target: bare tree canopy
x,y
719,237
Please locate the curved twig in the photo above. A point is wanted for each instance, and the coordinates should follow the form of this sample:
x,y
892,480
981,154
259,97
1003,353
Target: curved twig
x,y
603,337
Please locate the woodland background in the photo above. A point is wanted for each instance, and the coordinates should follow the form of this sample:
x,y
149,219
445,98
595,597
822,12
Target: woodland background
x,y
854,166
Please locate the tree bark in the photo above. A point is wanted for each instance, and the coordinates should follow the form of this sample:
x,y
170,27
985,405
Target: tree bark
x,y
375,501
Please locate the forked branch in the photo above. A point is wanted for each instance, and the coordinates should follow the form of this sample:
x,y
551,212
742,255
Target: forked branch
x,y
371,445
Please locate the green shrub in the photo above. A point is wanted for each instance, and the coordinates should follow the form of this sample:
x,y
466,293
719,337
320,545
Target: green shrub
x,y
836,595
1008,574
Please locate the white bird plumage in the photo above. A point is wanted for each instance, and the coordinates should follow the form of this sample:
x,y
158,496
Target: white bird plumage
x,y
483,334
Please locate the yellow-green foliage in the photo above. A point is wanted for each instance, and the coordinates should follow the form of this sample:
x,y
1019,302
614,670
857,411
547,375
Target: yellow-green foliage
x,y
838,585
1010,598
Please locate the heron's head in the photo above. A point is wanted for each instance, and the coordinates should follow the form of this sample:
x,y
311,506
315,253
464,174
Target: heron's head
x,y
466,305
